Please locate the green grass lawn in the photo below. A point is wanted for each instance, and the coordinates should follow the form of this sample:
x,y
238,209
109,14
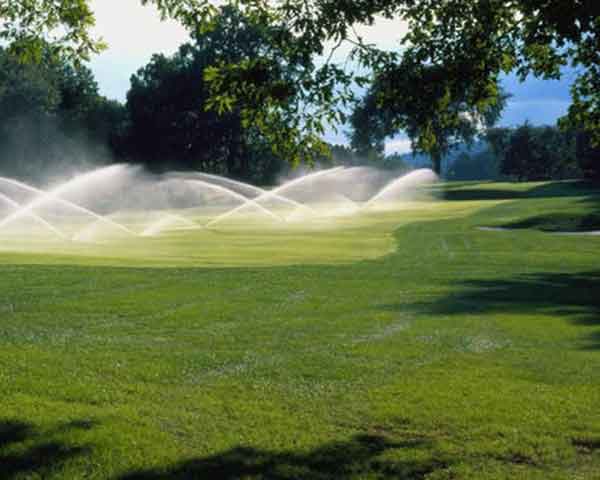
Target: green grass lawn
x,y
407,344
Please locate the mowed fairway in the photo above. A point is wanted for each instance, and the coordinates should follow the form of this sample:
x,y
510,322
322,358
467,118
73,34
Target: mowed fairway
x,y
406,344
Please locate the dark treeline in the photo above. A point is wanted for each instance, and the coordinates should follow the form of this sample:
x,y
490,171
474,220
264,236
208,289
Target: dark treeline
x,y
527,153
169,124
348,156
53,120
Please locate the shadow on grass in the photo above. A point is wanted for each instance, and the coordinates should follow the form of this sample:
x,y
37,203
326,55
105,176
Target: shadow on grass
x,y
584,219
546,190
559,222
574,296
481,194
24,452
356,458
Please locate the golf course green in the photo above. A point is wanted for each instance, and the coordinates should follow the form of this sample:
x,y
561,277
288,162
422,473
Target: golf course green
x,y
409,343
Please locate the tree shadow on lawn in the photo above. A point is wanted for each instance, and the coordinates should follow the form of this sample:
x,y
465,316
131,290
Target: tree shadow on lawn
x,y
40,458
574,296
355,458
559,222
546,190
570,221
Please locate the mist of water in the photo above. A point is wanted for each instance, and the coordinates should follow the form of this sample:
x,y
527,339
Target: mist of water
x,y
16,207
166,221
305,179
402,188
123,201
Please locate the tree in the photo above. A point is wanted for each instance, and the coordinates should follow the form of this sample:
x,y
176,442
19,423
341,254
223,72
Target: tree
x,y
382,113
343,155
478,166
52,116
535,153
463,44
170,125
520,156
588,156
33,27
471,42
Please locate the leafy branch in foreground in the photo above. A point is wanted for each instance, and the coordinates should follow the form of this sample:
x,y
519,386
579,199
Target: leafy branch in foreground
x,y
464,44
444,80
31,27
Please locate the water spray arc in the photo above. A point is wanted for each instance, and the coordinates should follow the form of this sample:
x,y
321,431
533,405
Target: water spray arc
x,y
272,193
259,191
237,196
166,221
412,179
37,218
52,196
147,205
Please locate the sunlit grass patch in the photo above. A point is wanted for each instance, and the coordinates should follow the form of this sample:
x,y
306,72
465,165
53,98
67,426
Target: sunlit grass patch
x,y
401,343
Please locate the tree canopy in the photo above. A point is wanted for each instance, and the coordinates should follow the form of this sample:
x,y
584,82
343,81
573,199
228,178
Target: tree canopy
x,y
33,27
52,116
465,45
452,54
170,126
535,153
382,112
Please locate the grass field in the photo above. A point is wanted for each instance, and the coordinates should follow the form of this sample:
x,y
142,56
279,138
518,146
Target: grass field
x,y
407,344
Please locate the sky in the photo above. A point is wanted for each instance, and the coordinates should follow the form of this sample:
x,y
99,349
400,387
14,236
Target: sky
x,y
134,33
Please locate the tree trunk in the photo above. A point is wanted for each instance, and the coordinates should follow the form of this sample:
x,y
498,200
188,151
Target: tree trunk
x,y
436,160
237,161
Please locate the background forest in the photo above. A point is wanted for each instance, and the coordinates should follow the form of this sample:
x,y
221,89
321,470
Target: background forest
x,y
53,120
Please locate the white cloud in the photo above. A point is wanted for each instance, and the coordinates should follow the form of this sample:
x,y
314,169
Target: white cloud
x,y
135,32
384,33
132,30
400,145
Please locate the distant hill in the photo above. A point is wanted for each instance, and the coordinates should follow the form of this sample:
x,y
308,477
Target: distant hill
x,y
421,160
466,162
